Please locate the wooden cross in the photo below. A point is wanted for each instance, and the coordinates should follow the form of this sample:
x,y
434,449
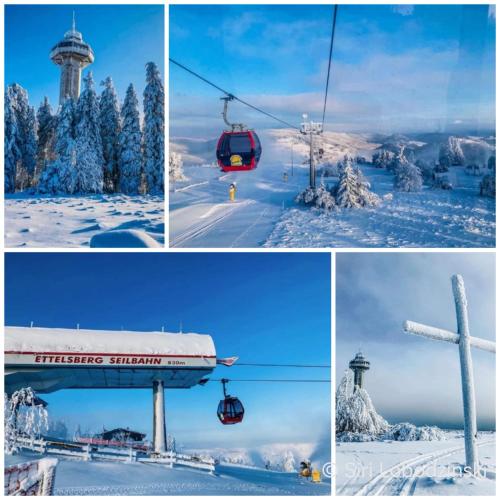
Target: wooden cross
x,y
465,342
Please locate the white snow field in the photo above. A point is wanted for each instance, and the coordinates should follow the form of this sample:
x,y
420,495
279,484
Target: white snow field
x,y
410,468
265,213
111,221
76,477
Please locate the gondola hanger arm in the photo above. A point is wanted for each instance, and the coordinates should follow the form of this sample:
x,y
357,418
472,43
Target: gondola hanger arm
x,y
235,127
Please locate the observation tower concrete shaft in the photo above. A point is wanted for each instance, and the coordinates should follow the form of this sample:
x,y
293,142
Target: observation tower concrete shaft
x,y
72,54
359,365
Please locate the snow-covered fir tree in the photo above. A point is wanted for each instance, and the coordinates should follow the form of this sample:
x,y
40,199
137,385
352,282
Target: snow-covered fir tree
x,y
488,185
492,162
30,150
20,120
354,410
382,159
175,167
450,153
426,169
288,463
109,120
154,126
23,417
130,142
408,177
57,429
171,444
353,190
12,153
319,197
60,175
89,158
356,418
457,155
47,124
397,160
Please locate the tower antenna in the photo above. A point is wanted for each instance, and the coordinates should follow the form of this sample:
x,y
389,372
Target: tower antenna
x,y
74,22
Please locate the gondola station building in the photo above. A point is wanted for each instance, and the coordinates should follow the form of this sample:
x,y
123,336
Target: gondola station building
x,y
50,359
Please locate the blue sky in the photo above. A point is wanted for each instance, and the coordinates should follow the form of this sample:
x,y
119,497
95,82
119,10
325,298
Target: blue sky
x,y
268,308
396,68
411,378
124,38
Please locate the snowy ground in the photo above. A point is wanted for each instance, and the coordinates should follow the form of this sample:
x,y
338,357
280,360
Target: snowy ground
x,y
202,215
413,467
74,477
265,214
430,218
41,221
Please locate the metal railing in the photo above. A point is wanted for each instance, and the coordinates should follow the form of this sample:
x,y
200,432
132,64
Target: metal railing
x,y
89,452
30,478
88,52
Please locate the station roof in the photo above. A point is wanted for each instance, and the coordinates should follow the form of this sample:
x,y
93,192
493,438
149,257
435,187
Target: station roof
x,y
66,340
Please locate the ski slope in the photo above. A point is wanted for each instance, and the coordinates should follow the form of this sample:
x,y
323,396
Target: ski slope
x,y
265,214
83,478
201,214
76,477
72,221
413,468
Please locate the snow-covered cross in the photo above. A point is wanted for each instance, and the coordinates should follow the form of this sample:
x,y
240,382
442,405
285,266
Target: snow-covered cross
x,y
465,342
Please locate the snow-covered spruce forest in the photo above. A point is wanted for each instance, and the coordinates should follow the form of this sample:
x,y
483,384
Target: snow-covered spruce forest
x,y
94,145
353,190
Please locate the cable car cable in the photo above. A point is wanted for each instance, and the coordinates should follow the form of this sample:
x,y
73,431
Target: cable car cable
x,y
220,89
334,22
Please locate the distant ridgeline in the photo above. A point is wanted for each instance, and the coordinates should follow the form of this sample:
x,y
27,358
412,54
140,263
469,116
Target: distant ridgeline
x,y
90,145
357,419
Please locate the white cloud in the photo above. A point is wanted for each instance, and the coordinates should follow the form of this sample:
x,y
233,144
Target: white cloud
x,y
404,9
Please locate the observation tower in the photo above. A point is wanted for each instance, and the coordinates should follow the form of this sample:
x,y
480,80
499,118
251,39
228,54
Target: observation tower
x,y
72,54
359,365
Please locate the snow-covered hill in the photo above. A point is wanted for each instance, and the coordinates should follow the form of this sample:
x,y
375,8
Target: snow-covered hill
x,y
72,221
265,212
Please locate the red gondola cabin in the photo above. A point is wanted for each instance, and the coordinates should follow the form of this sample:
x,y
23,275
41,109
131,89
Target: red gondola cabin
x,y
238,151
230,410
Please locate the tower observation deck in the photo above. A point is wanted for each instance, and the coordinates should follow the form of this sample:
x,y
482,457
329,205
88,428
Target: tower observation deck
x,y
72,54
359,365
